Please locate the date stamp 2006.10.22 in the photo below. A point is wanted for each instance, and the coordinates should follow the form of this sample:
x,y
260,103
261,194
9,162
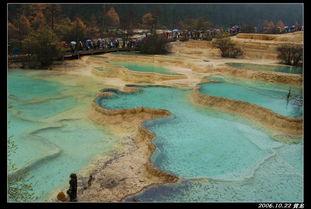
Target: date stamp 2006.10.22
x,y
281,205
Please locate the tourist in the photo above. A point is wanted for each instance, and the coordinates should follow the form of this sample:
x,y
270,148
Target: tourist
x,y
98,44
289,94
16,51
89,182
117,43
72,191
73,46
88,44
80,45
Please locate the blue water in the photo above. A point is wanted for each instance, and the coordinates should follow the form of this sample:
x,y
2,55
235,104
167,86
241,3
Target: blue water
x,y
75,141
280,68
79,141
270,96
219,157
145,68
20,83
196,143
275,181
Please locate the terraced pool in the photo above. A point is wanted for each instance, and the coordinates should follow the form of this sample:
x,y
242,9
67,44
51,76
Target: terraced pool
x,y
271,96
145,68
281,68
220,157
67,144
278,179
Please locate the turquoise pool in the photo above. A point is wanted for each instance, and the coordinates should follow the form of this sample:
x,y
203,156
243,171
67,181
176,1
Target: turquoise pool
x,y
72,143
278,179
280,68
145,68
270,96
196,143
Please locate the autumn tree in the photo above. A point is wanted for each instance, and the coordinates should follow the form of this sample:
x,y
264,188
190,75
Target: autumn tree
x,y
39,20
268,27
24,26
52,12
79,29
149,21
18,31
112,18
64,29
126,23
195,24
68,30
27,10
14,38
202,24
280,26
92,29
43,46
13,32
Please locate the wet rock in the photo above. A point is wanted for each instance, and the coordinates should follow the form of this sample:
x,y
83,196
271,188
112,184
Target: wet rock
x,y
61,197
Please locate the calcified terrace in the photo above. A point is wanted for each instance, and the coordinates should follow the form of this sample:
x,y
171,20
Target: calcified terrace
x,y
190,71
131,171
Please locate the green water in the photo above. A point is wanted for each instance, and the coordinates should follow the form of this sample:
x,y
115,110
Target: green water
x,y
281,68
69,144
145,68
196,143
270,96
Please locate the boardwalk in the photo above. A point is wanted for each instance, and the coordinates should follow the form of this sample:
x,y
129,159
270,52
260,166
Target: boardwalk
x,y
78,54
70,56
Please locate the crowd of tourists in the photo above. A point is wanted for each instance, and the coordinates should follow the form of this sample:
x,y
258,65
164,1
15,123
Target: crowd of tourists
x,y
100,43
207,34
169,35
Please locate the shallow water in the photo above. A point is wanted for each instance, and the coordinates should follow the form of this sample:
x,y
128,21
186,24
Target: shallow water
x,y
80,142
197,143
271,96
275,181
145,68
279,179
281,68
74,142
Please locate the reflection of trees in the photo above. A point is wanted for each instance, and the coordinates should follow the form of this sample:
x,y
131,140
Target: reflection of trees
x,y
19,189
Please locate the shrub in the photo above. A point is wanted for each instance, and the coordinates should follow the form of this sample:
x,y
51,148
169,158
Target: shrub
x,y
228,48
290,54
208,38
222,35
154,44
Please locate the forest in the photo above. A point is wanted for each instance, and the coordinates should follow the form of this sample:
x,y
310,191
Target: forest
x,y
170,15
34,27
